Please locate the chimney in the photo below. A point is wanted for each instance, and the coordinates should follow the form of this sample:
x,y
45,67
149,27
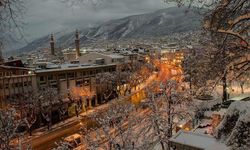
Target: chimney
x,y
52,45
77,42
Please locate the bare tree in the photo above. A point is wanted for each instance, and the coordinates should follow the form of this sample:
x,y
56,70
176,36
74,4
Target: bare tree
x,y
173,103
106,85
80,96
124,80
31,109
226,23
8,128
242,80
113,131
11,12
123,126
47,99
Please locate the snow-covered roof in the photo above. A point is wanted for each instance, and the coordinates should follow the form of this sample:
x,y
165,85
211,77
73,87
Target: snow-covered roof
x,y
52,66
116,56
99,58
63,66
197,140
68,67
240,97
112,55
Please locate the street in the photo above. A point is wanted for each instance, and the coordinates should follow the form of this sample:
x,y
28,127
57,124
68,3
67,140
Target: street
x,y
47,140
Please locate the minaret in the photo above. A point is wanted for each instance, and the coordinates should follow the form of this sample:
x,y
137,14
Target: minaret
x,y
77,42
52,45
1,54
1,57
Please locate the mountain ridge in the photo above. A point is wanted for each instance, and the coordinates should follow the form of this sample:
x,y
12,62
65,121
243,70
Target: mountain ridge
x,y
156,24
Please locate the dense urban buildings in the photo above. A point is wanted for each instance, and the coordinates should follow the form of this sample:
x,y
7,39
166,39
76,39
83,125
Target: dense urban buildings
x,y
173,79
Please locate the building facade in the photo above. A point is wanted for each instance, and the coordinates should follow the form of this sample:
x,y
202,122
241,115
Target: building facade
x,y
101,58
64,79
14,81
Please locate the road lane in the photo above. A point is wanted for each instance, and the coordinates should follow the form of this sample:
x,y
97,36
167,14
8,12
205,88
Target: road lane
x,y
47,141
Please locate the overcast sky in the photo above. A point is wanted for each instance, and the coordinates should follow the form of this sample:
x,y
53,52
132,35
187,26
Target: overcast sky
x,y
46,16
43,17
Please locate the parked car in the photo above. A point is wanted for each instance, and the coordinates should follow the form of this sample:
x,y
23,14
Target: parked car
x,y
74,140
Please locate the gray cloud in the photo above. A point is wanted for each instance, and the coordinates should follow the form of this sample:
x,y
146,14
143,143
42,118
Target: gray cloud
x,y
45,16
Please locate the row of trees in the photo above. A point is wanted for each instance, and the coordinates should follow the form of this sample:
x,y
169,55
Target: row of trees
x,y
224,56
144,126
124,80
33,110
37,107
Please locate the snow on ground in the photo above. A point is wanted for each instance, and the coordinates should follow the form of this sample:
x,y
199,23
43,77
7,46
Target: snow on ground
x,y
240,97
234,90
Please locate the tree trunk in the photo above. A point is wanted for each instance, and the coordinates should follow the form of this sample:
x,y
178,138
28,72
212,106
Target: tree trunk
x,y
30,131
110,145
242,88
48,126
76,110
39,119
224,84
169,120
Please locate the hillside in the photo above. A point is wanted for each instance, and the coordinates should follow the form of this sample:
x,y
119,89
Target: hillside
x,y
157,24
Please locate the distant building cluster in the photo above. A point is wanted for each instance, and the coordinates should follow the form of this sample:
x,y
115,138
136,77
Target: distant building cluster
x,y
172,54
62,69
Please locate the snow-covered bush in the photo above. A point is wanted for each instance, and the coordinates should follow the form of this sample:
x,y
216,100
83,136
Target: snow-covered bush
x,y
235,127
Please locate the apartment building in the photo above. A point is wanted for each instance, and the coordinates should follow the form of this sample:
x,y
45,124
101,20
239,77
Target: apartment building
x,y
172,57
68,76
101,58
14,81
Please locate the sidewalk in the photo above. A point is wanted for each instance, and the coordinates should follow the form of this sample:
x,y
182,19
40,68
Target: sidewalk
x,y
68,122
